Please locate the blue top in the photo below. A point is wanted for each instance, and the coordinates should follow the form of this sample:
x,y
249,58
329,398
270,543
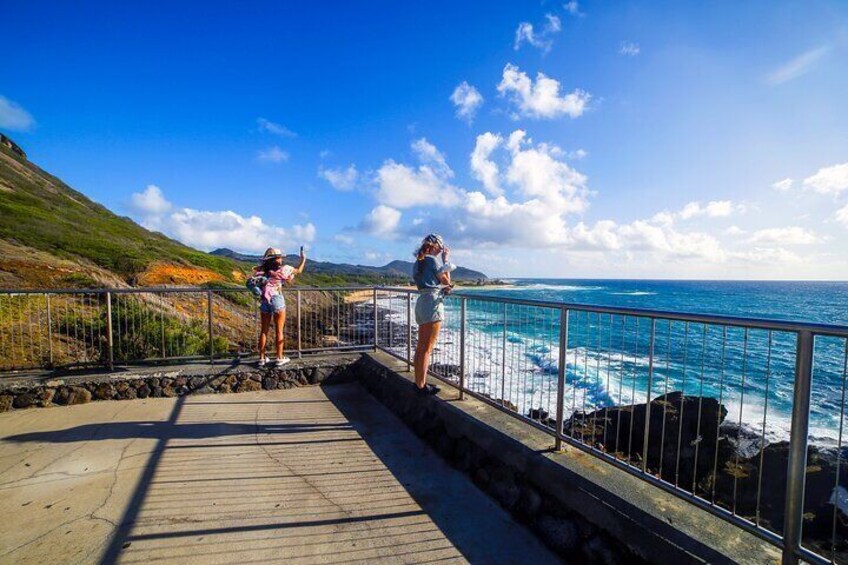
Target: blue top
x,y
425,272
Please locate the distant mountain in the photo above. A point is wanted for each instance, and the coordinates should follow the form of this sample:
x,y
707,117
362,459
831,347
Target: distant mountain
x,y
395,269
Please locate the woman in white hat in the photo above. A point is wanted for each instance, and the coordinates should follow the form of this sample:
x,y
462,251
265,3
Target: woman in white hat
x,y
432,277
273,304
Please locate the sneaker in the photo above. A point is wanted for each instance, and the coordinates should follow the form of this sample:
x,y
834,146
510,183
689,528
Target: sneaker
x,y
262,361
432,389
283,361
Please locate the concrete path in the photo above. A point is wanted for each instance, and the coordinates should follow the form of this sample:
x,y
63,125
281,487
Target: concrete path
x,y
307,475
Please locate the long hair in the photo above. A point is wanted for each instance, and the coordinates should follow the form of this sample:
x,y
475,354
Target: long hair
x,y
420,254
269,265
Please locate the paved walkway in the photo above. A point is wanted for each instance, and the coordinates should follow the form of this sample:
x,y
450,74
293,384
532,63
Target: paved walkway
x,y
308,475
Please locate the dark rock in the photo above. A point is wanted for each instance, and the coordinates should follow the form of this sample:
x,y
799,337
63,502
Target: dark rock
x,y
683,429
25,400
168,391
197,382
559,533
78,395
156,392
104,391
143,391
529,502
503,486
130,394
270,383
121,387
249,385
165,381
45,396
6,401
598,550
205,390
180,381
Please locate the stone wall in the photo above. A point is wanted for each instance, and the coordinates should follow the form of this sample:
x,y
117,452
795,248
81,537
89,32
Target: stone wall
x,y
159,382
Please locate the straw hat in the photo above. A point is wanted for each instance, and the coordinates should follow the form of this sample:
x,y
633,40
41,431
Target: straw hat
x,y
271,253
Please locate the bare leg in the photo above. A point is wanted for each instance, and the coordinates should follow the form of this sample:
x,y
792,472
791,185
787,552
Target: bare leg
x,y
427,336
279,325
263,333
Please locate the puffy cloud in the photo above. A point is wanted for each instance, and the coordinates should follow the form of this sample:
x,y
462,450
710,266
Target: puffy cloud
x,y
402,186
713,209
482,168
536,172
629,48
797,66
151,201
542,99
645,236
793,235
211,229
381,221
767,255
783,185
340,179
526,33
467,100
273,155
14,117
831,180
274,128
735,230
842,215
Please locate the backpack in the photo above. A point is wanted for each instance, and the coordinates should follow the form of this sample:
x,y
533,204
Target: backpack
x,y
256,283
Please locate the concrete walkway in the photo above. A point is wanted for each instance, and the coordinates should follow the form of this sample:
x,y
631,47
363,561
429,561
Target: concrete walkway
x,y
307,475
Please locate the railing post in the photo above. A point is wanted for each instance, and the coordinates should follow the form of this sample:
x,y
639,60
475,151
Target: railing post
x,y
49,331
299,338
650,387
798,436
462,348
110,360
375,319
211,330
563,356
408,331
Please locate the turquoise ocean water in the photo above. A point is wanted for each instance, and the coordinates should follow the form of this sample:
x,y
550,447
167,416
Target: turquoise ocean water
x,y
608,358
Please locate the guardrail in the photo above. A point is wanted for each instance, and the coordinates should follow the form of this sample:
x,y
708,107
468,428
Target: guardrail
x,y
697,405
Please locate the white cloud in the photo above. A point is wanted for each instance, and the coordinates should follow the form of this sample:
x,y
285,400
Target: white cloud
x,y
428,155
793,235
340,179
274,128
542,99
482,168
713,209
467,100
14,117
797,66
573,8
208,230
783,185
829,180
767,255
382,221
577,154
526,33
150,201
344,239
402,186
629,48
842,215
273,155
735,230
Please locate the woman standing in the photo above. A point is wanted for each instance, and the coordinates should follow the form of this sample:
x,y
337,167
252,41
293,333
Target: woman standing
x,y
431,274
268,278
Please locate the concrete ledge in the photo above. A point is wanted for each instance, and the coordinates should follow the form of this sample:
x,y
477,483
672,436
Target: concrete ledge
x,y
40,391
582,507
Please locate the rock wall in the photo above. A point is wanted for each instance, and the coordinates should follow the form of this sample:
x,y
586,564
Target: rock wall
x,y
159,383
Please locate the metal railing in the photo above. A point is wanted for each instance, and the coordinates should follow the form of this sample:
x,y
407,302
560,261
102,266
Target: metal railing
x,y
717,410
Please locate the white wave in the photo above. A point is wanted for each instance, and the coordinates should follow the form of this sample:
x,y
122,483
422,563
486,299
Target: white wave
x,y
563,287
634,293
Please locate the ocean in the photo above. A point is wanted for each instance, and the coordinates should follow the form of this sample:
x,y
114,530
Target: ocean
x,y
512,352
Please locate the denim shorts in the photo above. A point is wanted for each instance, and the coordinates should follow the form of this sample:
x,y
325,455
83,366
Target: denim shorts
x,y
429,308
277,304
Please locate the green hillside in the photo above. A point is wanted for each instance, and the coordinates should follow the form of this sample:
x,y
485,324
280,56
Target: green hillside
x,y
40,211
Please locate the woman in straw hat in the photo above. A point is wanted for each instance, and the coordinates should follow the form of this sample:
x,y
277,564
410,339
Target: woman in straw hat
x,y
271,275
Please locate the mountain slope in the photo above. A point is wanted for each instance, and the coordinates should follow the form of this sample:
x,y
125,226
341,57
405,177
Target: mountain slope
x,y
39,212
394,269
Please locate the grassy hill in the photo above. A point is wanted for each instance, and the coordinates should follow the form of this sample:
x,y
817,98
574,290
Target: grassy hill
x,y
40,213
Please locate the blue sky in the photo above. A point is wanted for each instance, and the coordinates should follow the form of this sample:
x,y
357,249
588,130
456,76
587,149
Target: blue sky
x,y
560,139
